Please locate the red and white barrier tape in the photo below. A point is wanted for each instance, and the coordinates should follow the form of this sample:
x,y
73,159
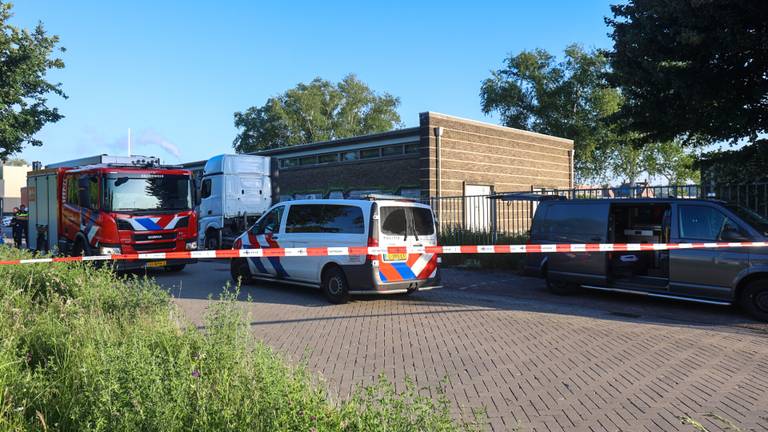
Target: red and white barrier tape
x,y
367,250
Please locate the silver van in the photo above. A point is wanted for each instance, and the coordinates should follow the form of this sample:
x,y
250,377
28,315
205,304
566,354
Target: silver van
x,y
376,221
717,276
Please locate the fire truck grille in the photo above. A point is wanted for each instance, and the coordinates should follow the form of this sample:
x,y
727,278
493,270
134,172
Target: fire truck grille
x,y
160,236
145,247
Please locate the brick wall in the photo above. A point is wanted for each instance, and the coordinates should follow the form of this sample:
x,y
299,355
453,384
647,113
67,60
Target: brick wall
x,y
484,154
387,175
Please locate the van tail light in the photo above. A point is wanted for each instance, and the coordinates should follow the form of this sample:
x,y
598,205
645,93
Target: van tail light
x,y
238,244
372,242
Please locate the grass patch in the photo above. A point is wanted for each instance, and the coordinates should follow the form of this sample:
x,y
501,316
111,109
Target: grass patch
x,y
81,349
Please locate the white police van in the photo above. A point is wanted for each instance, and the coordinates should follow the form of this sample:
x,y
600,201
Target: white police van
x,y
373,221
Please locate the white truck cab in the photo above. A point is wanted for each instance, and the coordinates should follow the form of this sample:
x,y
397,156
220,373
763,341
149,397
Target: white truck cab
x,y
234,191
375,221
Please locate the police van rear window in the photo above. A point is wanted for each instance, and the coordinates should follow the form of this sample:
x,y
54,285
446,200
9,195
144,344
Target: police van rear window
x,y
422,221
398,220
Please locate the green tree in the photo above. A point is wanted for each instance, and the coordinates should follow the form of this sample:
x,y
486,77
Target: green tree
x,y
628,162
317,111
25,58
691,69
672,161
569,98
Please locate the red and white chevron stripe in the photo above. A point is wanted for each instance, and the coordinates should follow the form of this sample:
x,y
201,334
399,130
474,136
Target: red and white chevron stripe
x,y
366,250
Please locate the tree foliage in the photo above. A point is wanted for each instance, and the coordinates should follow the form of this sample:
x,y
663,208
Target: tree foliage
x,y
745,165
671,161
569,98
25,58
317,111
691,69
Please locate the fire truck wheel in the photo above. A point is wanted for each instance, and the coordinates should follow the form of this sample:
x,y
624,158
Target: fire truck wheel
x,y
175,268
80,249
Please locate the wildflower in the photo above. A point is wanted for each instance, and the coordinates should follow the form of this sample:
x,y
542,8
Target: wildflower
x,y
313,418
196,373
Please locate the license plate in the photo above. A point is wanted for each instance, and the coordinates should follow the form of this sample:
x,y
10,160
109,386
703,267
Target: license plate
x,y
396,257
154,264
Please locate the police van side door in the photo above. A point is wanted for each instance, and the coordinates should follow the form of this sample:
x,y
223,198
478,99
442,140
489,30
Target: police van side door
x,y
573,222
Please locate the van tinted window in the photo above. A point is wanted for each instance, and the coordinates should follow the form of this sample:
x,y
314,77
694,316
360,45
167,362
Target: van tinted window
x,y
575,223
305,219
422,221
399,220
705,223
393,221
343,219
319,218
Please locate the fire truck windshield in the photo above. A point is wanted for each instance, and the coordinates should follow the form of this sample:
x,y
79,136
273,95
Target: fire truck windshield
x,y
147,192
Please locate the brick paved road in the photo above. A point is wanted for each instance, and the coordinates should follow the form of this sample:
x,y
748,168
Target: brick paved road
x,y
534,361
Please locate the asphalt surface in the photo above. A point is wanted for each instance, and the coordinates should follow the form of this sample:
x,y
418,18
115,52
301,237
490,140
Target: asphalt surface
x,y
533,361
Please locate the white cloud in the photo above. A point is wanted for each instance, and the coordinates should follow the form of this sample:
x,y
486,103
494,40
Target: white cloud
x,y
150,138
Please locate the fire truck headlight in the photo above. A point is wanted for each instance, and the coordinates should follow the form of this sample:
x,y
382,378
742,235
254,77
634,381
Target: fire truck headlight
x,y
191,245
110,250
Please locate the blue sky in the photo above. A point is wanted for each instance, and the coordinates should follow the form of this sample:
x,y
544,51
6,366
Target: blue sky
x,y
175,72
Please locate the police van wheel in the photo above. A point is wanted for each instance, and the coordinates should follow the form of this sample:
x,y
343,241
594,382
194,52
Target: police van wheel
x,y
238,269
335,287
754,299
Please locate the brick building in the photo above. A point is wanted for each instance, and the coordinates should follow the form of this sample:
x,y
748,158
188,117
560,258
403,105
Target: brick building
x,y
443,156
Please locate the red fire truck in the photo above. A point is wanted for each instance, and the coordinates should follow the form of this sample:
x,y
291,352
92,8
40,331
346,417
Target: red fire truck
x,y
108,205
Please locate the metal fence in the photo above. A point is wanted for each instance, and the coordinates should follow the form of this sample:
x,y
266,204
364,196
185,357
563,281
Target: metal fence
x,y
481,219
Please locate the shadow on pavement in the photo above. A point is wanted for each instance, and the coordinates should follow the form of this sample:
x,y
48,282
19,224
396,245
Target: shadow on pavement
x,y
466,291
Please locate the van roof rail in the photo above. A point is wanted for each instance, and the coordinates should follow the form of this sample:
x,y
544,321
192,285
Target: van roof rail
x,y
374,197
526,196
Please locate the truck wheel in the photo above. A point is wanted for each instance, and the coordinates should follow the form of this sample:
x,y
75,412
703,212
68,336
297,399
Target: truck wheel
x,y
80,249
175,268
212,240
561,288
335,286
238,269
754,299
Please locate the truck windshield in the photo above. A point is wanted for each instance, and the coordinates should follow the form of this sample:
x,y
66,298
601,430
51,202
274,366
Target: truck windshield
x,y
147,192
757,222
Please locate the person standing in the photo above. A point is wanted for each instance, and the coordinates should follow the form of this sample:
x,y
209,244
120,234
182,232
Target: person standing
x,y
22,219
15,233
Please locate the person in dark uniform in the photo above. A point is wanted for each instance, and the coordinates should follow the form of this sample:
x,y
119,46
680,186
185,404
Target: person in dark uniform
x,y
22,220
15,228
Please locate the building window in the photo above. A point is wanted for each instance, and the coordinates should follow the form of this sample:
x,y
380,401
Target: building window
x,y
328,158
370,153
349,156
395,150
308,160
412,148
